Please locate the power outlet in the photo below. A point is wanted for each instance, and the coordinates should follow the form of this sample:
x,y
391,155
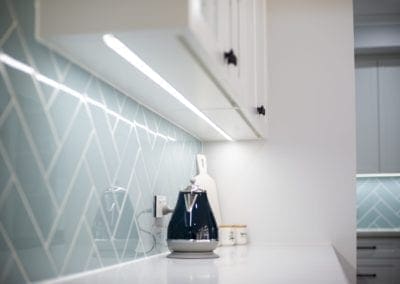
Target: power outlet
x,y
160,202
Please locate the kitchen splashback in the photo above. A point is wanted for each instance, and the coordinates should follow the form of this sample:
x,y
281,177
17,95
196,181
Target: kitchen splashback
x,y
79,162
378,202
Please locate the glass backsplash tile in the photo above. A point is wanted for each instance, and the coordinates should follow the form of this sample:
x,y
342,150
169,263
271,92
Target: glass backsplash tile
x,y
378,202
77,179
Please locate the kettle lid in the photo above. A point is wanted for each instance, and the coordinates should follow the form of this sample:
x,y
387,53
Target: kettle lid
x,y
193,187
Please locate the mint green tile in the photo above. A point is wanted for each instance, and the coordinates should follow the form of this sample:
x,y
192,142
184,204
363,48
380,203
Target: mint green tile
x,y
70,217
382,223
129,109
128,161
34,114
105,139
97,168
367,220
93,262
4,96
5,254
25,167
12,274
63,107
122,137
109,96
93,90
25,14
70,155
13,48
5,18
4,175
390,215
126,214
77,79
80,253
61,63
20,230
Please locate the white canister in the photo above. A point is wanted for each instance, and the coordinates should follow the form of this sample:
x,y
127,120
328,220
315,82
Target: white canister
x,y
240,234
227,235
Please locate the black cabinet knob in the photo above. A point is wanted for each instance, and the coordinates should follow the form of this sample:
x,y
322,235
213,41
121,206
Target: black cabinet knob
x,y
230,57
261,110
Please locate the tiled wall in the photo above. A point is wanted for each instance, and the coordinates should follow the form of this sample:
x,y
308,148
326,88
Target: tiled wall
x,y
79,162
378,202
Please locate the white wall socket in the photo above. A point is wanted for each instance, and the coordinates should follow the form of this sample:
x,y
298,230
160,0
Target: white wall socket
x,y
160,201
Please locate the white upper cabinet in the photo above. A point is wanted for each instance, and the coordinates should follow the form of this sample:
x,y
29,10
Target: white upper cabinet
x,y
213,52
378,114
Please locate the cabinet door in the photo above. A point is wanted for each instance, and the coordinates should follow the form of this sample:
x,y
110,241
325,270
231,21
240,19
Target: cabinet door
x,y
204,16
367,116
389,112
379,274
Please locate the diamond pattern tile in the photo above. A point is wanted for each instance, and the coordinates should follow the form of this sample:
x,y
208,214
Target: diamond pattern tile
x,y
63,148
378,202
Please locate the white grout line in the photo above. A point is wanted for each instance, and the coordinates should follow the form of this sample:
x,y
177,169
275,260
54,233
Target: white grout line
x,y
14,253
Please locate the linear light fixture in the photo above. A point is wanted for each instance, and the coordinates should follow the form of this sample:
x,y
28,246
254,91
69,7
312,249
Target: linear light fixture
x,y
16,64
125,52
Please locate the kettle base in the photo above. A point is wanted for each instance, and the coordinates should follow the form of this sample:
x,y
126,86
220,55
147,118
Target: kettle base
x,y
193,255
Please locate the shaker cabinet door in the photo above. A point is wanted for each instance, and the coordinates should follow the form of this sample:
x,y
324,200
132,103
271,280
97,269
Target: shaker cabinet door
x,y
389,113
367,116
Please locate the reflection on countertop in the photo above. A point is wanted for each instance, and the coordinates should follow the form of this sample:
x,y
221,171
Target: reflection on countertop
x,y
239,264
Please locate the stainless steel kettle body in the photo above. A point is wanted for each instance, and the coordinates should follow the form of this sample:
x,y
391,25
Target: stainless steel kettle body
x,y
192,227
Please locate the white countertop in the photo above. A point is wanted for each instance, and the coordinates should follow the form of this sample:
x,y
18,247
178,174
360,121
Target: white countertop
x,y
240,264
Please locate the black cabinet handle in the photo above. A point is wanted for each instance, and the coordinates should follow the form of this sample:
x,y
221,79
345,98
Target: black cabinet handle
x,y
367,247
366,275
261,110
230,57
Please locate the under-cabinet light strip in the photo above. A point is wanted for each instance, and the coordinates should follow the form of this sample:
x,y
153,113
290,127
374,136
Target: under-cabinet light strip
x,y
373,175
8,60
125,52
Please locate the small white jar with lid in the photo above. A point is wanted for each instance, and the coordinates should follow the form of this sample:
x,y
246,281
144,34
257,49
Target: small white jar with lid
x,y
227,235
240,234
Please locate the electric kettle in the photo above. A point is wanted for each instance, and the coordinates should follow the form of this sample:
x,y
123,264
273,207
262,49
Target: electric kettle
x,y
192,231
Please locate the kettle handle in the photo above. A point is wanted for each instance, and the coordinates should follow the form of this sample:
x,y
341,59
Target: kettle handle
x,y
201,163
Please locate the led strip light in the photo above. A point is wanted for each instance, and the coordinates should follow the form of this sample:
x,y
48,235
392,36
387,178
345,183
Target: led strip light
x,y
122,50
8,60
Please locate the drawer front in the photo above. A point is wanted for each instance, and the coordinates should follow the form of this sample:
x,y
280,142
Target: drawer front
x,y
378,248
378,275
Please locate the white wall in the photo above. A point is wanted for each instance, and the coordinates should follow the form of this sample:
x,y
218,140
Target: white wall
x,y
299,185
